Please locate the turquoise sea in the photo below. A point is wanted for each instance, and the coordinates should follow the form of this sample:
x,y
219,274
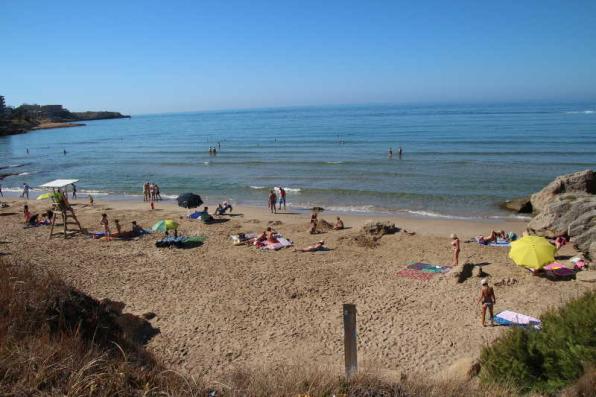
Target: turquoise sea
x,y
457,160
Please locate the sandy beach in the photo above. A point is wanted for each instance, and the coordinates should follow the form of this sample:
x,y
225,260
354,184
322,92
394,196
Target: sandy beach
x,y
221,306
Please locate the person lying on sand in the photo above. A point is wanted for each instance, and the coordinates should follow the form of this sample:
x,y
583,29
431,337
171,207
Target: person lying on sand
x,y
312,248
488,300
409,233
493,236
339,224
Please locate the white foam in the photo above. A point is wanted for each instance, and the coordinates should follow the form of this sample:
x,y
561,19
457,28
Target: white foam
x,y
334,162
168,196
581,112
24,173
257,187
357,209
292,190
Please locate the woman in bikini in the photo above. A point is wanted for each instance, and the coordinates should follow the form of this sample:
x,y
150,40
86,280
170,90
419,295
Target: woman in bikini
x,y
106,226
455,246
488,300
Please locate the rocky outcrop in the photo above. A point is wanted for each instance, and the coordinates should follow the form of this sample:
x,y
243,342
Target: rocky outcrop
x,y
579,182
520,205
571,214
379,228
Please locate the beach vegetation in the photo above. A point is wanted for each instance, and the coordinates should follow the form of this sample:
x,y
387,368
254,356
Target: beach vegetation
x,y
547,360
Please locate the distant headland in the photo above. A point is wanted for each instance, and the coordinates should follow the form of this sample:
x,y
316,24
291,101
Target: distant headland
x,y
18,120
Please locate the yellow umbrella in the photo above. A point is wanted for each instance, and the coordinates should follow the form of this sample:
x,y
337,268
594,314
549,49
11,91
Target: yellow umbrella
x,y
44,196
532,252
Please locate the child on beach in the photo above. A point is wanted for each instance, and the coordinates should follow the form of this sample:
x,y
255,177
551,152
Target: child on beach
x,y
118,227
339,224
91,200
488,300
106,226
455,246
26,213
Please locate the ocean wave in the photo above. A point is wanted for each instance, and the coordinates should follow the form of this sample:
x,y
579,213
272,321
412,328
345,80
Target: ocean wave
x,y
581,112
24,173
168,196
349,208
334,162
258,187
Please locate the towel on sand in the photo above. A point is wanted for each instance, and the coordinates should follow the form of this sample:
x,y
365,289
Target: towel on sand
x,y
422,271
181,242
509,317
281,243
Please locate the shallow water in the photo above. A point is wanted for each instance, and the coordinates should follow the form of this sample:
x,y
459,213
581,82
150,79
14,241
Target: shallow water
x,y
457,161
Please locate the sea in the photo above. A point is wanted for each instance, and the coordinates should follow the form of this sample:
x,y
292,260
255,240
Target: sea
x,y
457,161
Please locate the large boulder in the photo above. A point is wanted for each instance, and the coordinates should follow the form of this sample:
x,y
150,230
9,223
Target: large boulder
x,y
571,214
578,182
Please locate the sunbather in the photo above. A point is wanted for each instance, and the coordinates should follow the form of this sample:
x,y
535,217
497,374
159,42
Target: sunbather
x,y
137,230
312,248
493,237
205,216
339,224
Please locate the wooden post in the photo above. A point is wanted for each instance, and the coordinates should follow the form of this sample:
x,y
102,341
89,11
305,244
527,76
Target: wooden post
x,y
350,349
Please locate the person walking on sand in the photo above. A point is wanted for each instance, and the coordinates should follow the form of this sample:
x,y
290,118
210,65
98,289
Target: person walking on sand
x,y
282,197
272,202
91,200
106,226
487,299
74,191
455,246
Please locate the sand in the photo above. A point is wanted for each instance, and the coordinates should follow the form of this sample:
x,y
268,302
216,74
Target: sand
x,y
222,306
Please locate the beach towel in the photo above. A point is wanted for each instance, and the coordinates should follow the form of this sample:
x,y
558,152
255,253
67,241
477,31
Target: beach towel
x,y
510,318
243,238
281,243
428,268
180,242
499,243
557,271
422,271
415,274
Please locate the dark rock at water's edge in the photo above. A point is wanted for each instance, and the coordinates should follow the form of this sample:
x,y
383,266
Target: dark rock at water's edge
x,y
520,205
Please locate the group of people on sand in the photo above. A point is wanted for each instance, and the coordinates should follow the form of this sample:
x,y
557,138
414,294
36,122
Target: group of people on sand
x,y
274,199
151,192
314,223
135,231
44,218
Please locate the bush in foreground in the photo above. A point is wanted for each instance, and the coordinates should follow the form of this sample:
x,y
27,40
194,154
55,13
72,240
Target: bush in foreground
x,y
548,360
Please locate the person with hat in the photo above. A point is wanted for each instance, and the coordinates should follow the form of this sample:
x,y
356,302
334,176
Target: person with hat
x,y
488,300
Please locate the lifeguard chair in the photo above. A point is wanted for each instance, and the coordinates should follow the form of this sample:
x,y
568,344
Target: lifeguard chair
x,y
60,204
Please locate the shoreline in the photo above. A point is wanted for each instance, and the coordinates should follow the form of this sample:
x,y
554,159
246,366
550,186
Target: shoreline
x,y
424,225
51,125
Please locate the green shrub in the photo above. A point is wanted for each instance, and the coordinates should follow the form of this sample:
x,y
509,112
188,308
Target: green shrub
x,y
545,361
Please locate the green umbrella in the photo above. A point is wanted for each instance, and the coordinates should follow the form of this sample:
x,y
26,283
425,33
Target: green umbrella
x,y
164,225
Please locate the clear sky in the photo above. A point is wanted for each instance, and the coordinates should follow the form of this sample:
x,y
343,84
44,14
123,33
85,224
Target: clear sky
x,y
161,56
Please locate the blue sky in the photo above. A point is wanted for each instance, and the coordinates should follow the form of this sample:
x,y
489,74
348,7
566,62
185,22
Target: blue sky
x,y
158,56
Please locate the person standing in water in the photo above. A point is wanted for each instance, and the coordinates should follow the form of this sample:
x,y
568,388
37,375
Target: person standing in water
x,y
487,299
1,194
25,191
390,153
65,152
400,152
272,202
282,197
